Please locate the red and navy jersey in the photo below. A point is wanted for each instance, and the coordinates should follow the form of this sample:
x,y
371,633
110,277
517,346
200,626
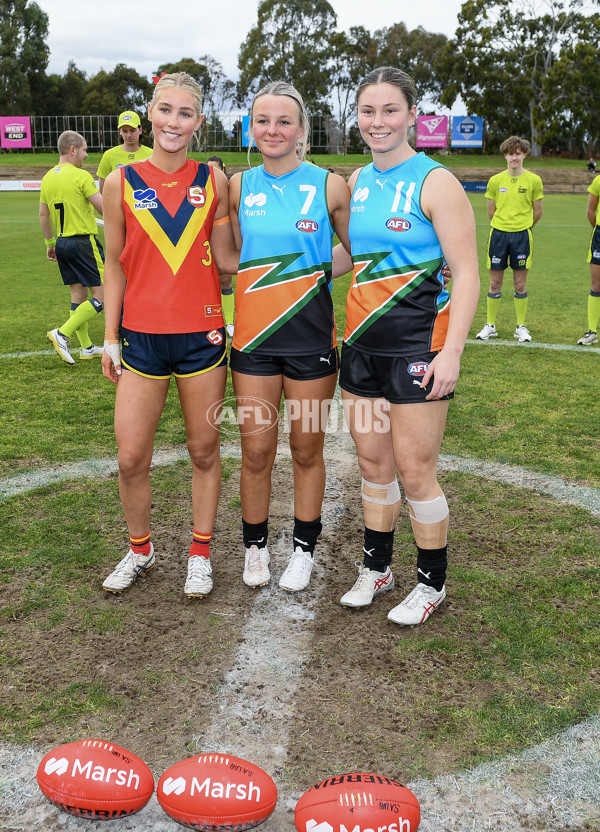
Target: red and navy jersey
x,y
172,283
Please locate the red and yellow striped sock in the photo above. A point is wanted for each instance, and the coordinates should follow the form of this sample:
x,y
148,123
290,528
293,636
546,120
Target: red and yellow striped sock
x,y
200,545
140,545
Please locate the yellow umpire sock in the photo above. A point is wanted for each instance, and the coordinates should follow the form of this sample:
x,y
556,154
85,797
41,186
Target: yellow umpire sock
x,y
593,311
84,313
493,305
82,333
228,304
520,308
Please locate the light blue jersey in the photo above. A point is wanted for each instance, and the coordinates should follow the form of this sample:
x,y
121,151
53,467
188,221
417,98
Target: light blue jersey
x,y
283,302
397,303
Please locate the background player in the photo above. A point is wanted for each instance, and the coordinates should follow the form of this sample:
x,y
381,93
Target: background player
x,y
283,214
404,339
68,196
160,271
227,296
515,203
593,259
132,149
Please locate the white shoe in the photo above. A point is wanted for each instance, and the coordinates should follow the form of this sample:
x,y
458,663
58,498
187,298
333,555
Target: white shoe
x,y
488,331
589,338
522,333
297,572
229,330
199,577
91,352
256,569
417,606
60,343
128,571
369,585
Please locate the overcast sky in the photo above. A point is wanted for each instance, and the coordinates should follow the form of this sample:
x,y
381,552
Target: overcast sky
x,y
144,35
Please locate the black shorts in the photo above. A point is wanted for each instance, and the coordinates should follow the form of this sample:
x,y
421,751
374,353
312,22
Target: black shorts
x,y
297,367
179,354
594,252
80,260
509,247
395,378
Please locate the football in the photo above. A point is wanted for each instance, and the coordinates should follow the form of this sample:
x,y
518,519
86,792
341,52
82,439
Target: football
x,y
95,779
210,792
358,802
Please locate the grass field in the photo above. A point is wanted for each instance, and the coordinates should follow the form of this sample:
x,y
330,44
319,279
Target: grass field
x,y
527,406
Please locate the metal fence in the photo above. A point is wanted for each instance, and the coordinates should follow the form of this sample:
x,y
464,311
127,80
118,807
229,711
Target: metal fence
x,y
222,131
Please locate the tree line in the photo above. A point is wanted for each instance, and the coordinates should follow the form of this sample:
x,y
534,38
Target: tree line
x,y
529,67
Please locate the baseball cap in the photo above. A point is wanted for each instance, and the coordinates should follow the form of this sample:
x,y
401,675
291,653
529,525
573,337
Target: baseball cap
x,y
129,119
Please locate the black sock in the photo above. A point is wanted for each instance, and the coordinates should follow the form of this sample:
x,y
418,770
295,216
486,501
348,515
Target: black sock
x,y
255,534
431,567
378,549
307,533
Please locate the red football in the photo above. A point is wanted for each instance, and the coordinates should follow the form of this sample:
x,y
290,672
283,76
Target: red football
x,y
209,792
358,802
95,779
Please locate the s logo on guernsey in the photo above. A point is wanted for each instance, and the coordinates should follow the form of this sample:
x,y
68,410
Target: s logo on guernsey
x,y
215,337
309,226
196,195
417,368
398,224
144,199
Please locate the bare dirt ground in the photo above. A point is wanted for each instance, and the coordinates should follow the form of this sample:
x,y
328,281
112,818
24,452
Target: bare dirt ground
x,y
295,683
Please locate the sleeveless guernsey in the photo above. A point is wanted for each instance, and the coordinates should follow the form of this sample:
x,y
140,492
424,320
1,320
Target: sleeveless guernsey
x,y
283,301
396,304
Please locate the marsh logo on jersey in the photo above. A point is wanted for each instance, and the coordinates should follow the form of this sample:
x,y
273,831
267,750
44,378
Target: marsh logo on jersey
x,y
196,195
144,199
255,200
360,194
398,224
417,368
309,226
215,337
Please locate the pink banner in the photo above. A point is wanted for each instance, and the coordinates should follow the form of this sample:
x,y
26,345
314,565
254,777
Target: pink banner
x,y
15,131
432,131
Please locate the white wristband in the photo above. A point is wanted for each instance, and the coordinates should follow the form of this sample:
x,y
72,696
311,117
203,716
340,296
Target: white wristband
x,y
114,351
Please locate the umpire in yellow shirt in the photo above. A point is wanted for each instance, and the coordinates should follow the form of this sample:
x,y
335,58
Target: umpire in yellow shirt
x,y
132,150
68,197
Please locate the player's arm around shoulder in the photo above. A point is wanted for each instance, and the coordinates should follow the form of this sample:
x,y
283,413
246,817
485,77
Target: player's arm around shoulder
x,y
342,261
222,242
235,190
338,205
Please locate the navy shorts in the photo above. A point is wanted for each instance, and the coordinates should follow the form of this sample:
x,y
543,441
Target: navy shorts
x,y
395,378
297,367
594,252
179,354
509,247
80,260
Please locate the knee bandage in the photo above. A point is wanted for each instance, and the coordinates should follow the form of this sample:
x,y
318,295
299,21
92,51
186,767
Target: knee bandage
x,y
381,504
429,521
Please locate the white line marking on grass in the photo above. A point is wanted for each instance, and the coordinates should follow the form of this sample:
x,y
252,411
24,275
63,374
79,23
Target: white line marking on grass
x,y
532,345
26,354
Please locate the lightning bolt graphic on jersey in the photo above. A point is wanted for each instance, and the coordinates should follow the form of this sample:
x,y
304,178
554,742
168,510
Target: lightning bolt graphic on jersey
x,y
172,235
380,290
273,295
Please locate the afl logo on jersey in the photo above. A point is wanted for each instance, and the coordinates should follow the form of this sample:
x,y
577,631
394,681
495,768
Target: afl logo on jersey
x,y
398,224
196,195
418,368
215,337
310,226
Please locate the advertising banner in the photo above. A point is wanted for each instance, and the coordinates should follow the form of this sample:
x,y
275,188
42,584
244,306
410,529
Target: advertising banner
x,y
432,131
467,131
15,131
